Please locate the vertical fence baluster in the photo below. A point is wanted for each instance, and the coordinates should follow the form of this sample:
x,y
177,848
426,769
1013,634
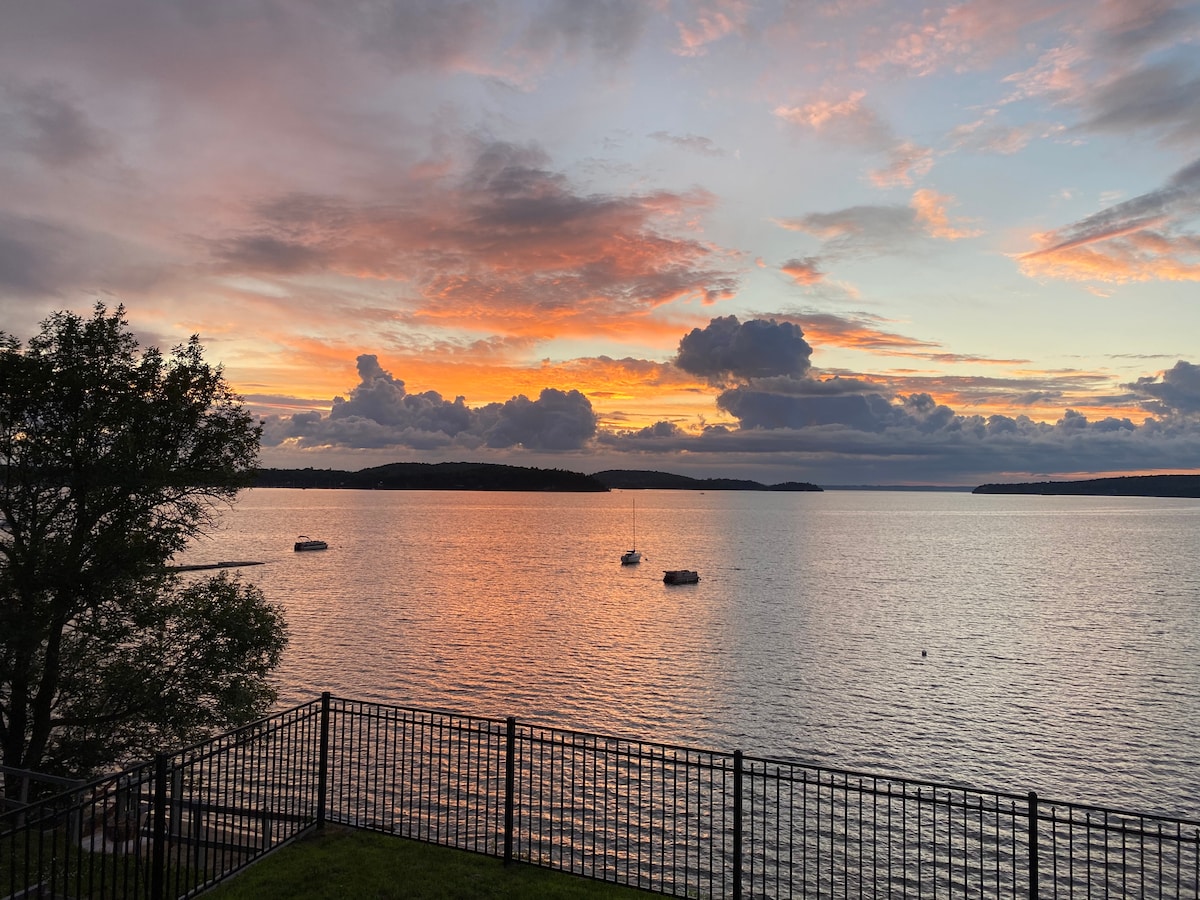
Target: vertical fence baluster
x,y
1033,846
158,870
737,825
510,783
323,762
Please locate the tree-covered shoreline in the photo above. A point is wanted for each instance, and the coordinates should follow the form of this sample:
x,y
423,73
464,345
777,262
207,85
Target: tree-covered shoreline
x,y
1186,486
466,476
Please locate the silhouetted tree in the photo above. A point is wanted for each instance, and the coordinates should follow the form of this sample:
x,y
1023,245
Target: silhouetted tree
x,y
112,460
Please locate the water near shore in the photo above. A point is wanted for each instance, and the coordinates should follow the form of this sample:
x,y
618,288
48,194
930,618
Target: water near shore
x,y
1012,643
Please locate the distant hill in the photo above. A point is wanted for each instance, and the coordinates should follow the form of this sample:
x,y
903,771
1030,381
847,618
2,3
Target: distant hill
x,y
466,476
456,476
640,479
1128,486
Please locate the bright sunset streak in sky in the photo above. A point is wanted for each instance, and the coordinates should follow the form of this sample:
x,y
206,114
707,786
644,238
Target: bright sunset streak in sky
x,y
840,242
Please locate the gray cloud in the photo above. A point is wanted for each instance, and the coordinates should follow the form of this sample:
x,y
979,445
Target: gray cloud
x,y
608,28
755,349
1134,29
1177,392
1163,98
860,230
769,410
693,142
50,127
1170,205
557,420
833,430
919,441
381,413
511,237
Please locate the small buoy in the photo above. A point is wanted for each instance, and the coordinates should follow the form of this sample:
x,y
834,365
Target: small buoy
x,y
922,652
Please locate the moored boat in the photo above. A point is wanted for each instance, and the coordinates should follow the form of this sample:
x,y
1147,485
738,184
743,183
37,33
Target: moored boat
x,y
680,576
631,557
304,542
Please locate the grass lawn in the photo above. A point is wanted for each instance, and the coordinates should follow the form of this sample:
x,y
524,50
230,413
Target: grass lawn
x,y
347,863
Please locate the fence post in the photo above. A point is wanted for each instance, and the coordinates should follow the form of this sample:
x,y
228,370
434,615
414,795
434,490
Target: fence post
x,y
1033,846
323,761
158,864
737,825
510,778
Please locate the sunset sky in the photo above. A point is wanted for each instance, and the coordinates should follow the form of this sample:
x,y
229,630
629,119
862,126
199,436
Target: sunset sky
x,y
839,241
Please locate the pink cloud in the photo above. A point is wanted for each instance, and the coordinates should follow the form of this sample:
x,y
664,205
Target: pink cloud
x,y
711,21
805,272
930,207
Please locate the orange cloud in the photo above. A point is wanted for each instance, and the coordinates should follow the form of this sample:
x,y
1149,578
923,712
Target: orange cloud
x,y
930,207
906,162
1127,255
1143,239
849,333
512,250
803,271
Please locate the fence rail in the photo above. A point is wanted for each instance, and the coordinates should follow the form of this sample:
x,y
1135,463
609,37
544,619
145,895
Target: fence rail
x,y
678,821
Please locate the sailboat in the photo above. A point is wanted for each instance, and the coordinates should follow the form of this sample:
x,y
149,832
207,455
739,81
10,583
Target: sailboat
x,y
629,557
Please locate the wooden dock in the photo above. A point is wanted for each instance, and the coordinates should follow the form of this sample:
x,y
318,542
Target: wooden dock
x,y
220,565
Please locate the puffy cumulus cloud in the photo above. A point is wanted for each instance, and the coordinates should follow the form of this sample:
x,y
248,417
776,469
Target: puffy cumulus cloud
x,y
771,410
557,420
382,399
1149,237
380,413
783,417
864,425
799,403
865,438
755,349
1176,390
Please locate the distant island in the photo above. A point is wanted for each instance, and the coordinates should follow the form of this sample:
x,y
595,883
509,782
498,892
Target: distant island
x,y
465,476
452,476
638,479
1127,486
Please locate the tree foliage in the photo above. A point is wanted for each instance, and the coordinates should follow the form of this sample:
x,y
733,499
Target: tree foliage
x,y
111,460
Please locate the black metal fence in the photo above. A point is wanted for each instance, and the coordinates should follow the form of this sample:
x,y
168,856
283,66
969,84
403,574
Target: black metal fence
x,y
171,827
674,820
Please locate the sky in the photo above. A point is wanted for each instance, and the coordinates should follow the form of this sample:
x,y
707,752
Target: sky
x,y
839,241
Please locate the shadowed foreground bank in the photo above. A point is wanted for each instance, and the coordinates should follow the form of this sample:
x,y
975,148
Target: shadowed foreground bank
x,y
344,862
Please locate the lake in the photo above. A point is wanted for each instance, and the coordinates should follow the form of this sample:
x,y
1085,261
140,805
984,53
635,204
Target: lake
x,y
1011,643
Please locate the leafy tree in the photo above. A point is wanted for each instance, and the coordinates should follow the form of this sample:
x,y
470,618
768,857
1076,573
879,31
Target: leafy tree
x,y
111,460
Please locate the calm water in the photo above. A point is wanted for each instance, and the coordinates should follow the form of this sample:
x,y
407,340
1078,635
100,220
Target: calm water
x,y
1061,636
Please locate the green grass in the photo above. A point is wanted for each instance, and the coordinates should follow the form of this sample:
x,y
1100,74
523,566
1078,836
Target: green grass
x,y
347,863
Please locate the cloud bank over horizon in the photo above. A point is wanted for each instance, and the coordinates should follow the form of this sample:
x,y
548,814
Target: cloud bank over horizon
x,y
827,429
